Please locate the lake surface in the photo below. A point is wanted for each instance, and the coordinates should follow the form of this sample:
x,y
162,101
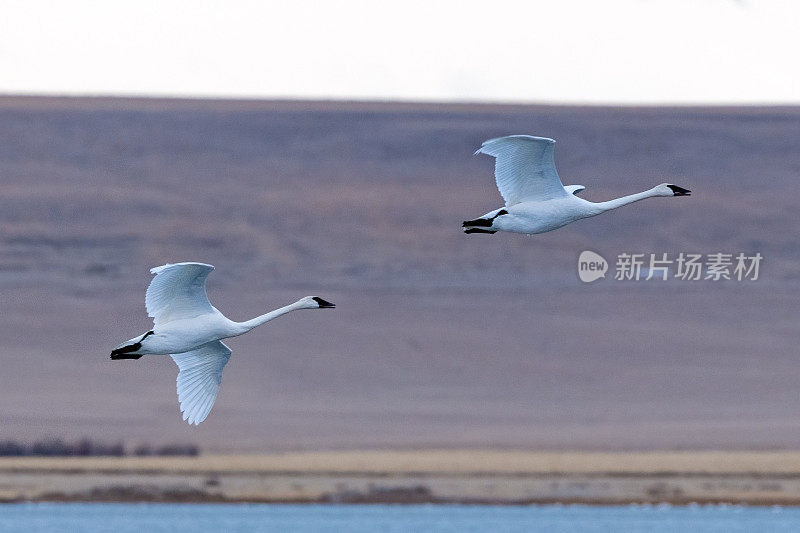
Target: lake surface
x,y
122,518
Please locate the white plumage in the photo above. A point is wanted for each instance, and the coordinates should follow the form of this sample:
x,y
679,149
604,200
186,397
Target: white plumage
x,y
190,329
178,291
199,379
535,199
524,168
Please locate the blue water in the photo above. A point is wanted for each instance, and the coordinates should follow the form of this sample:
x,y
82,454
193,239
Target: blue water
x,y
151,518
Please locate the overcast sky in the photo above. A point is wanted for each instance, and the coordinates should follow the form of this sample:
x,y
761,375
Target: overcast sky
x,y
585,51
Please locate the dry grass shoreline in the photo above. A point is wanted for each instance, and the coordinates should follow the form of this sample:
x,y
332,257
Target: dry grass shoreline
x,y
423,476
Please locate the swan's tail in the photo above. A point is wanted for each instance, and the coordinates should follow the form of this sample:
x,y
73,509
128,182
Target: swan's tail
x,y
128,349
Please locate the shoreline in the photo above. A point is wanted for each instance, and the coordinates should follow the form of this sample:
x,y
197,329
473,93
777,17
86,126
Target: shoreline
x,y
476,477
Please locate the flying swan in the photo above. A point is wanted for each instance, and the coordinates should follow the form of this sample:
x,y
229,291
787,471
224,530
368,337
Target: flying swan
x,y
536,201
189,329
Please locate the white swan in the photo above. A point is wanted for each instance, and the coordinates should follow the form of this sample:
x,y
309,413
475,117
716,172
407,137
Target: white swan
x,y
536,201
191,330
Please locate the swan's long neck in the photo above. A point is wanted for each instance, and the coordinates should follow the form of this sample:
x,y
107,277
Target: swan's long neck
x,y
257,321
625,200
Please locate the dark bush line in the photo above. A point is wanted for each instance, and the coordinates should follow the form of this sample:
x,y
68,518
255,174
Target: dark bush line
x,y
88,447
168,450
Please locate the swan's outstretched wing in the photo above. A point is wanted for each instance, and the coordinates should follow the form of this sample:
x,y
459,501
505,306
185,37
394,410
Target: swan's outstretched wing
x,y
178,291
524,168
199,379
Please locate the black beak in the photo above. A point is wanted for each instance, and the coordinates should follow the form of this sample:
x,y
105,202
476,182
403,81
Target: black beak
x,y
679,191
323,304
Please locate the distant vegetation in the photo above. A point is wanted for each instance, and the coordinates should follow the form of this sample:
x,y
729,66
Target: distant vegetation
x,y
89,447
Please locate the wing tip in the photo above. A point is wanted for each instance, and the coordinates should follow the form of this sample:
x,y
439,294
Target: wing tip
x,y
574,189
533,138
158,269
194,419
191,419
494,140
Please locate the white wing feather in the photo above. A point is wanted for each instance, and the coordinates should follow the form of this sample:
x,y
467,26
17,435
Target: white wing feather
x,y
524,168
199,379
178,291
574,189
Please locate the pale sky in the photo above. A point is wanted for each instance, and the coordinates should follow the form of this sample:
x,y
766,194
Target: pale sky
x,y
559,51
